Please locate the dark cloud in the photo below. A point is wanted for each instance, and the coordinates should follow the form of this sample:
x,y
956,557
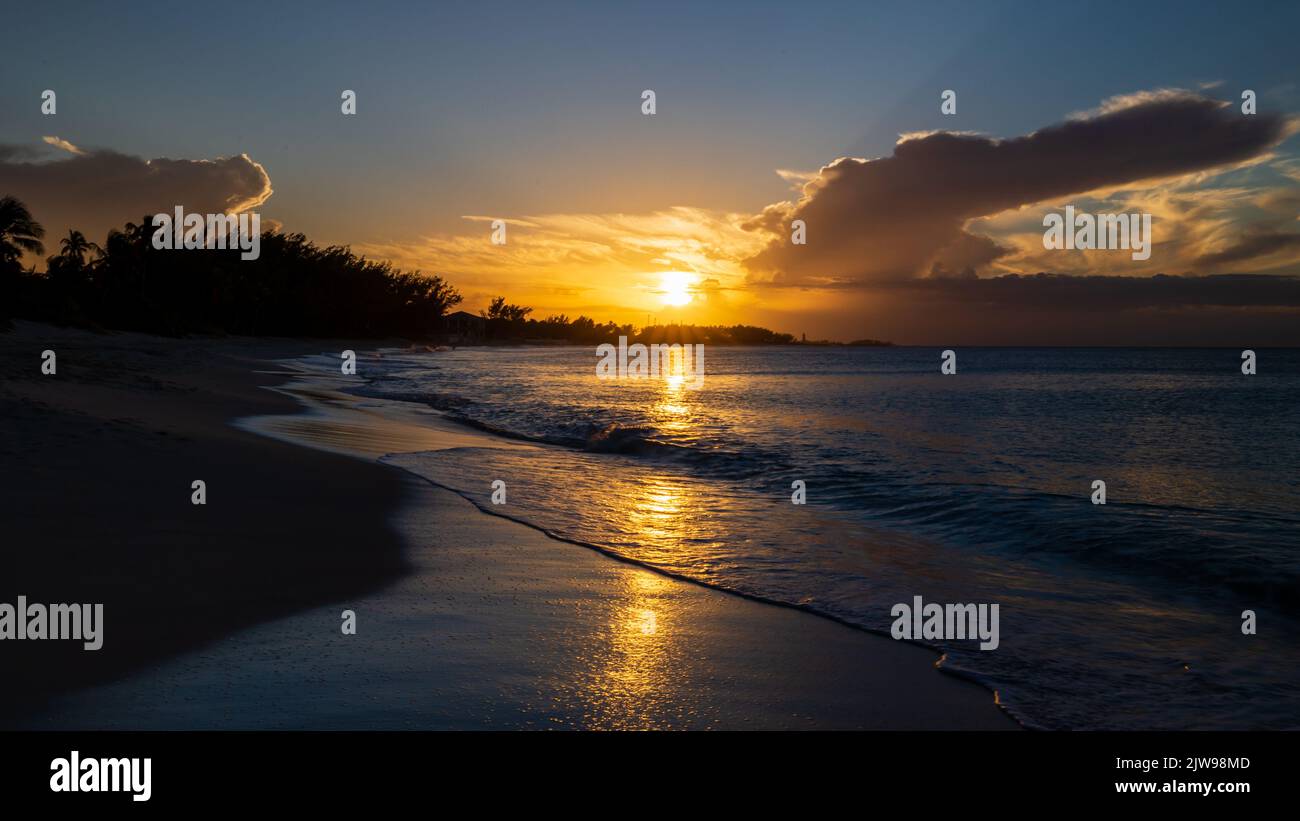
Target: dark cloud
x,y
965,254
95,190
903,216
1057,309
1256,245
1094,294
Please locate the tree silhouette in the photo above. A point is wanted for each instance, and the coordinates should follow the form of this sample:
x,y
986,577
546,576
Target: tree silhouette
x,y
75,247
500,309
294,288
19,233
505,320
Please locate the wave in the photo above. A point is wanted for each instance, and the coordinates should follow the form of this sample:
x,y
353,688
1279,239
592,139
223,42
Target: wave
x,y
1170,542
590,436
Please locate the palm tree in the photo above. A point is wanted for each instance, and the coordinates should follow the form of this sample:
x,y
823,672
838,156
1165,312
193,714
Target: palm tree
x,y
75,246
19,233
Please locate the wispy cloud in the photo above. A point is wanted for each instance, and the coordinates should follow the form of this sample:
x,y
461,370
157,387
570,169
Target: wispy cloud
x,y
62,144
610,259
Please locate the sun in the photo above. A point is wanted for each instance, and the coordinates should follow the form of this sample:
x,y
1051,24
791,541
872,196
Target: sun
x,y
675,287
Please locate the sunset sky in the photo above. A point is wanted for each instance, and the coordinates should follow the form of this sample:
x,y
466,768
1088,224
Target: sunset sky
x,y
766,113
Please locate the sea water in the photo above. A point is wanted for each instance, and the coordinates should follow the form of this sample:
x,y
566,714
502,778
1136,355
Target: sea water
x,y
973,487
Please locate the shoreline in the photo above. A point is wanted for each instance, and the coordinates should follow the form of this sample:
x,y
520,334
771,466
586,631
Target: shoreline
x,y
710,658
409,427
939,655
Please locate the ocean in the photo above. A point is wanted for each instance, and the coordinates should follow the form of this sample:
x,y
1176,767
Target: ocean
x,y
968,488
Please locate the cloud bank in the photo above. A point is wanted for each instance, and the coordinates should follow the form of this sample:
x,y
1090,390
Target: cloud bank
x,y
907,215
1243,310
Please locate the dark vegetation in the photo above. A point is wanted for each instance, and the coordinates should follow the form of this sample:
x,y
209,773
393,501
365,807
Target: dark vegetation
x,y
505,321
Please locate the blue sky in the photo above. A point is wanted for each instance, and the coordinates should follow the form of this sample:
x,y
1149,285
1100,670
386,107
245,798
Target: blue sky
x,y
499,107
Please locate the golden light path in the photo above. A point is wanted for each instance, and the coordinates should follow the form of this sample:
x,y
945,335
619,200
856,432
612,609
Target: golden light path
x,y
634,671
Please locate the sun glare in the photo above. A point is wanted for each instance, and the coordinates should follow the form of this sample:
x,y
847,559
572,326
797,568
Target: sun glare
x,y
675,287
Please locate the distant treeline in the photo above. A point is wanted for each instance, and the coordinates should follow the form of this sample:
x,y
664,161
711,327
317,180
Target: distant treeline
x,y
505,322
293,288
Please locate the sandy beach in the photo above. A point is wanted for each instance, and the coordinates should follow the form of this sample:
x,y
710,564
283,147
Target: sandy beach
x,y
100,458
228,615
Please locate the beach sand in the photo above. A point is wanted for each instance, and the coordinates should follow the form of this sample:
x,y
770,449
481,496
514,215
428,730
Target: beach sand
x,y
98,461
228,615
